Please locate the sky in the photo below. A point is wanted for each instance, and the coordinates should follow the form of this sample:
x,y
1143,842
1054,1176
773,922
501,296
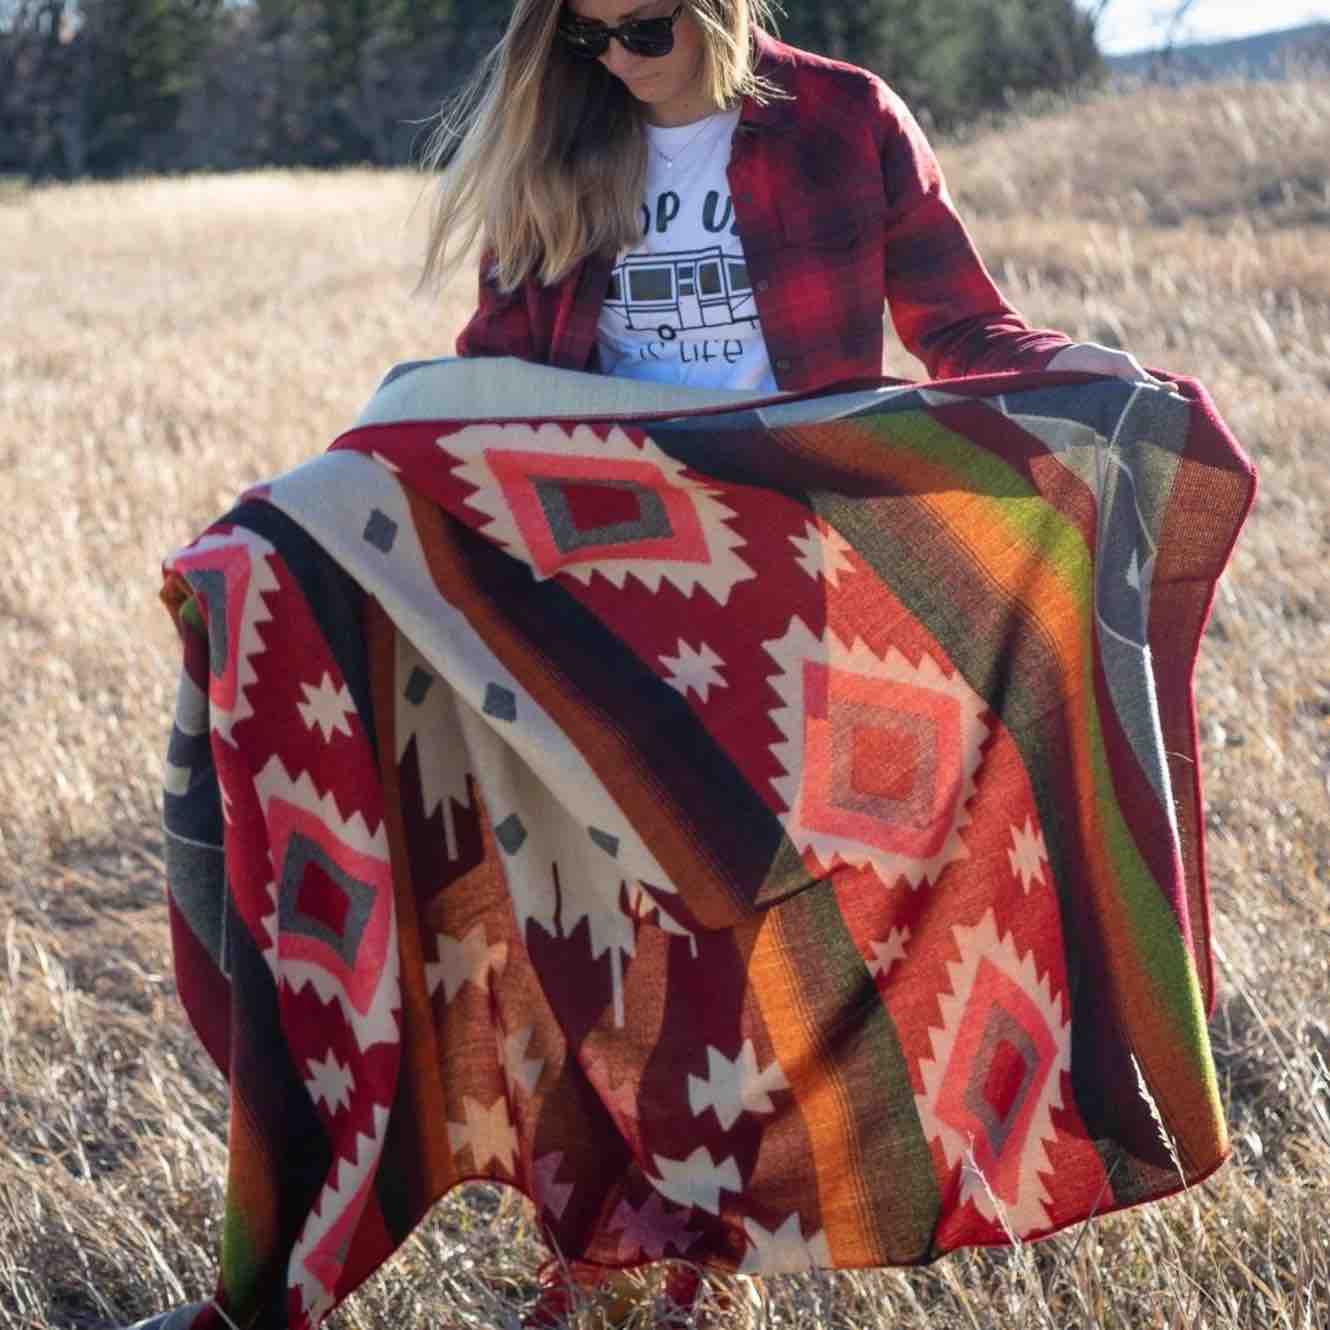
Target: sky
x,y
1135,25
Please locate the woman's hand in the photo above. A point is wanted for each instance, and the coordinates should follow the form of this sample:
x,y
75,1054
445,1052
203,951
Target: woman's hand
x,y
1091,358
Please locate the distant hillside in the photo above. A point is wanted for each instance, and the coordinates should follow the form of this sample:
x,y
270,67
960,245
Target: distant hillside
x,y
1267,55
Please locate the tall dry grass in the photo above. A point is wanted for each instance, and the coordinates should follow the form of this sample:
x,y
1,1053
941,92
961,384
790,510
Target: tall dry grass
x,y
164,344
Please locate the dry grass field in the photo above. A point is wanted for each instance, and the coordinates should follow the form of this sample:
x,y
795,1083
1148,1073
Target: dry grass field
x,y
164,344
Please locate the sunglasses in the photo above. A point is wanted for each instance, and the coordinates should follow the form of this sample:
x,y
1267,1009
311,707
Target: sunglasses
x,y
650,37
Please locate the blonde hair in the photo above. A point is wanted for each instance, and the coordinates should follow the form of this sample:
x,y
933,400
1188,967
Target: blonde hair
x,y
543,154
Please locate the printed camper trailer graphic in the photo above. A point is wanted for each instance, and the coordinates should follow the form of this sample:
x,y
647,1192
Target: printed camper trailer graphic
x,y
674,293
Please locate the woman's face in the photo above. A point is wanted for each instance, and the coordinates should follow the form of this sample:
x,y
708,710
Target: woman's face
x,y
670,87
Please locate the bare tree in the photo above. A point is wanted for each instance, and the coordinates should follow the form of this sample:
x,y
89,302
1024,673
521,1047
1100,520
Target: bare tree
x,y
40,84
1096,11
1175,21
1174,17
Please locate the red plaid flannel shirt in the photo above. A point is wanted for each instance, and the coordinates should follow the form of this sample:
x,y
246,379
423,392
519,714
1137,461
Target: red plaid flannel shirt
x,y
841,208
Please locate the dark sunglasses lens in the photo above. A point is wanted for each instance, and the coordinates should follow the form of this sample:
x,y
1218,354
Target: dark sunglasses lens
x,y
648,36
651,37
591,43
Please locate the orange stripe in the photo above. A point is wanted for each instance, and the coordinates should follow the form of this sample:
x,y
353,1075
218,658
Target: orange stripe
x,y
250,1233
1065,619
845,1213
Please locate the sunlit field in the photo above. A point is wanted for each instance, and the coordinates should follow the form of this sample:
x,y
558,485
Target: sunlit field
x,y
165,344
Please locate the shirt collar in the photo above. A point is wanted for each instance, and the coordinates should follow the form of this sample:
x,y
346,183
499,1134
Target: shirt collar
x,y
777,112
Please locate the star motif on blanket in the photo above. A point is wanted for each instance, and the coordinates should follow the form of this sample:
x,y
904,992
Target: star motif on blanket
x,y
584,502
326,708
1028,855
697,670
487,1132
468,960
651,1231
520,1069
822,553
330,1083
696,1181
886,954
733,1088
995,1076
784,1250
549,1194
879,755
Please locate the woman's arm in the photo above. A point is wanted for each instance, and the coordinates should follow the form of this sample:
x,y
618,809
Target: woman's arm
x,y
501,324
551,325
946,308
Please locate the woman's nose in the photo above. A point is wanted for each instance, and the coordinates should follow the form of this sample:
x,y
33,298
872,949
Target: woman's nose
x,y
617,60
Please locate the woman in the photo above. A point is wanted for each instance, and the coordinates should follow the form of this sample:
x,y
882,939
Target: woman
x,y
664,191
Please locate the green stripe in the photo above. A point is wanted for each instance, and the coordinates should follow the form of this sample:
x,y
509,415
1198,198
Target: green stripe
x,y
856,1036
1018,506
241,1271
1165,961
1017,512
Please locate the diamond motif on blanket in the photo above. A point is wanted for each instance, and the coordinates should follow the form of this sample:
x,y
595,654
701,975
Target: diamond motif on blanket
x,y
610,844
321,901
500,703
879,755
333,925
381,532
418,686
577,503
511,833
996,1075
210,587
231,574
590,515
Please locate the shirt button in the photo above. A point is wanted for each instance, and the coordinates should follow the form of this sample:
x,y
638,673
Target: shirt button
x,y
783,364
764,285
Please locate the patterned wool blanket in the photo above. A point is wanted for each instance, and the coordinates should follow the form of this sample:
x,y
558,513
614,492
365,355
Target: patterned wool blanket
x,y
768,835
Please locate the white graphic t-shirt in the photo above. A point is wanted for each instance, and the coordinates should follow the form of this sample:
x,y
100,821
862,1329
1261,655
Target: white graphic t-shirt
x,y
680,307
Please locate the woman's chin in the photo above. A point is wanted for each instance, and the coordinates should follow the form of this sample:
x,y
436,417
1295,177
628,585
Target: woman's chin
x,y
647,88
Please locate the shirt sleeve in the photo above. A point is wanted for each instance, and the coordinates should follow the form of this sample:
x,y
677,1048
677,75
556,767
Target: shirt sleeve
x,y
501,324
945,307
